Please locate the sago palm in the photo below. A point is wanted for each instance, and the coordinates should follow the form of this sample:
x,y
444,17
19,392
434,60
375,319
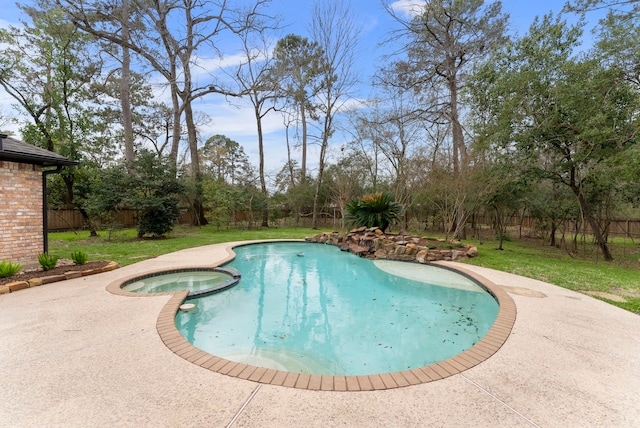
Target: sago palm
x,y
376,210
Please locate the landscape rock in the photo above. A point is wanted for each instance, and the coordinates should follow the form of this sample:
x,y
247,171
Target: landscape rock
x,y
422,256
18,285
374,244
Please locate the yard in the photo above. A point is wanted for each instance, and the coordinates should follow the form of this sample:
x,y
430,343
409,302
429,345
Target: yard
x,y
616,282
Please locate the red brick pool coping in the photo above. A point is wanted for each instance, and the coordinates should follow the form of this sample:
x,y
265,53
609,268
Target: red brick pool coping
x,y
481,351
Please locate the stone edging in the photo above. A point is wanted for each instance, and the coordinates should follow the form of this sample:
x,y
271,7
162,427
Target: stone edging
x,y
373,243
12,287
481,351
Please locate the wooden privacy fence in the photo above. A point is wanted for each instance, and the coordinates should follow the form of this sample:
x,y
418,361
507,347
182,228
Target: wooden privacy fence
x,y
65,219
621,228
60,220
625,228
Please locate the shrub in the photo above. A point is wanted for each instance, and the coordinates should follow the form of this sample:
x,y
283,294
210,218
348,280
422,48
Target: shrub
x,y
153,190
79,257
8,269
47,262
454,245
158,217
377,210
504,236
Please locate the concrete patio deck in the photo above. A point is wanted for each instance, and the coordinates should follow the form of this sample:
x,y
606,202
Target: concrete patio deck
x,y
73,354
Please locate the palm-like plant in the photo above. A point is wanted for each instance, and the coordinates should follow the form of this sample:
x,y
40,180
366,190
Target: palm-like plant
x,y
376,210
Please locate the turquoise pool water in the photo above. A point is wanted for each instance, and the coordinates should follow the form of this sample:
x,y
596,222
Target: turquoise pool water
x,y
199,282
310,308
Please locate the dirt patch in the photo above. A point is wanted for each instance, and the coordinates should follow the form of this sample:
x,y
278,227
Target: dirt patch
x,y
61,268
626,293
605,295
521,291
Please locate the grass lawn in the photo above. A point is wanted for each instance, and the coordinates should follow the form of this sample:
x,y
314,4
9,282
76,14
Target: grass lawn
x,y
583,272
586,272
125,248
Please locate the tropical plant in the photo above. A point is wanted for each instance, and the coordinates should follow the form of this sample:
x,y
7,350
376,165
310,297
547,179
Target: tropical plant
x,y
79,257
8,269
47,261
376,210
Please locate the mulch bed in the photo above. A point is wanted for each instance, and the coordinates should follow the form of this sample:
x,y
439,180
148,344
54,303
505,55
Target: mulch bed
x,y
60,269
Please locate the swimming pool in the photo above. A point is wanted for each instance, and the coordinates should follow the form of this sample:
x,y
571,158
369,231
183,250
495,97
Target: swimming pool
x,y
310,308
199,282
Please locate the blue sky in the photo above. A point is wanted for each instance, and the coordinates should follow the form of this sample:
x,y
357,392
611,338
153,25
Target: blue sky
x,y
239,124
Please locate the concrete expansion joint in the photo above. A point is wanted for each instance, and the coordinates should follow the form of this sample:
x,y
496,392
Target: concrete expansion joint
x,y
246,403
494,397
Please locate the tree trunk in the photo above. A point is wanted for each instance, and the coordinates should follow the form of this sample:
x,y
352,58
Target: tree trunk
x,y
176,125
87,220
263,183
597,233
500,228
303,165
289,163
459,149
125,83
197,218
323,151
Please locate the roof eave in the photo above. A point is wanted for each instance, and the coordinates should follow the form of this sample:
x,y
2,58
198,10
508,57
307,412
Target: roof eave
x,y
35,160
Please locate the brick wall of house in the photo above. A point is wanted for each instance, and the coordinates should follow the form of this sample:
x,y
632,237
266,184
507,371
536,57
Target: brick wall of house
x,y
20,212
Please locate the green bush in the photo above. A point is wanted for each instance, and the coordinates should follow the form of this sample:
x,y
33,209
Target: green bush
x,y
79,257
47,262
505,236
158,217
377,210
8,269
454,246
153,190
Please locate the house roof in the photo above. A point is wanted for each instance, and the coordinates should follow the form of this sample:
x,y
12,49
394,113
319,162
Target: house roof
x,y
14,150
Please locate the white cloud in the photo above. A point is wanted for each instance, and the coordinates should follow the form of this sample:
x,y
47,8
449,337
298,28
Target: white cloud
x,y
408,8
6,24
239,124
353,104
209,66
230,120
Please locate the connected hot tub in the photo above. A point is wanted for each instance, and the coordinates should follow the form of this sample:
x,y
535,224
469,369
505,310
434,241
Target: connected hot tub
x,y
199,282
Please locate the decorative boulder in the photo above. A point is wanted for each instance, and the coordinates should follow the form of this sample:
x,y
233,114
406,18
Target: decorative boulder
x,y
372,243
422,256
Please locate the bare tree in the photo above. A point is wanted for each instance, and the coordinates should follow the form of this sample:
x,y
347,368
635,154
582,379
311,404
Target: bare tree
x,y
399,127
334,30
172,38
252,75
4,121
442,39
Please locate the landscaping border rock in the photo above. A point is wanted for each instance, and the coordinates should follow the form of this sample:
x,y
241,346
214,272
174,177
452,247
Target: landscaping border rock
x,y
12,287
373,243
